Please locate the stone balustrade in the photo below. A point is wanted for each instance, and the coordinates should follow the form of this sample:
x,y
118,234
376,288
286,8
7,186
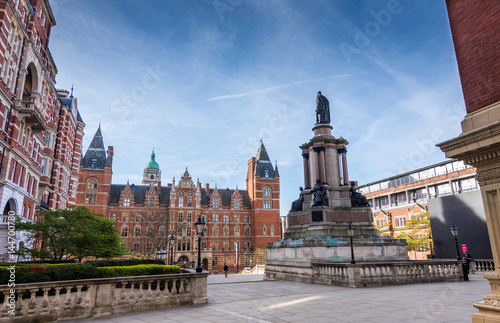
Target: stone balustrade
x,y
386,273
51,301
482,265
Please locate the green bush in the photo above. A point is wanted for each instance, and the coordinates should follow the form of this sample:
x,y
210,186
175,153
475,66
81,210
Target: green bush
x,y
124,262
42,273
138,270
38,262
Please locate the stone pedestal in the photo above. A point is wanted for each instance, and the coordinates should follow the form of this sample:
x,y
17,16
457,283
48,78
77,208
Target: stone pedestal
x,y
479,145
317,233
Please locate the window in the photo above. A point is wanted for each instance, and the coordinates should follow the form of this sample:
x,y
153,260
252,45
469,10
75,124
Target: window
x,y
236,231
126,200
267,191
124,232
125,217
380,223
179,232
264,230
226,218
236,219
215,261
188,231
215,231
137,231
247,232
204,218
152,201
267,205
225,246
215,218
267,197
216,246
91,191
400,221
163,218
237,204
138,218
189,217
151,218
112,217
137,247
247,218
247,245
181,199
161,232
247,261
216,203
150,232
149,246
272,229
94,163
42,169
123,246
180,217
190,200
226,231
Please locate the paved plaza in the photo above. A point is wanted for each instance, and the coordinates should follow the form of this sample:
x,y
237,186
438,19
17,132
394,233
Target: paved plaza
x,y
248,298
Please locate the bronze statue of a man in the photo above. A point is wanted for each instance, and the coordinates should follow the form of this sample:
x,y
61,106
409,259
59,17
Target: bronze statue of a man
x,y
322,109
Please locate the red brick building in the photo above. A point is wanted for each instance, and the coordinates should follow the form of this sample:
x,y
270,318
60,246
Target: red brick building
x,y
152,216
40,127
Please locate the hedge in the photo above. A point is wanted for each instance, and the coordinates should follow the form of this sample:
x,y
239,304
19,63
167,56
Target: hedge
x,y
38,262
42,273
124,262
138,270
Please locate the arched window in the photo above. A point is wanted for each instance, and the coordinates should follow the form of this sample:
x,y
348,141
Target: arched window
x,y
125,217
137,231
91,191
272,229
190,200
124,231
247,232
226,232
138,218
112,217
215,231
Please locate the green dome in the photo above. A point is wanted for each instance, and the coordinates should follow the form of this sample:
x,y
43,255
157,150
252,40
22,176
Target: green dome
x,y
152,164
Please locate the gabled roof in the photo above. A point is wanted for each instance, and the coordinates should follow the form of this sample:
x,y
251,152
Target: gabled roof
x,y
139,191
95,157
225,196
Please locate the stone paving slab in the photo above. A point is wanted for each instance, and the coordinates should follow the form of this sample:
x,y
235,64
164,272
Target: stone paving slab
x,y
249,298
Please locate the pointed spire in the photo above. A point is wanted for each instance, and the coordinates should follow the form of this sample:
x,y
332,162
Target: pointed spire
x,y
71,96
261,152
95,156
276,173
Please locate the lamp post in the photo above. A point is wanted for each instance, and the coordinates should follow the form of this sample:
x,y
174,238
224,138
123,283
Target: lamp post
x,y
454,233
199,225
430,245
172,242
350,233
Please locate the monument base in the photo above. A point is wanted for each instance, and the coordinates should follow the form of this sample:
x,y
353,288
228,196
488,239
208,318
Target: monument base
x,y
292,259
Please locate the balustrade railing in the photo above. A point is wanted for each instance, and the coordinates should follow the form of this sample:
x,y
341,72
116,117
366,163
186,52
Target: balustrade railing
x,y
386,273
51,301
481,265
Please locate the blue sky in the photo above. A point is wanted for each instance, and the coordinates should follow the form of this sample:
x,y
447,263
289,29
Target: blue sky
x,y
201,82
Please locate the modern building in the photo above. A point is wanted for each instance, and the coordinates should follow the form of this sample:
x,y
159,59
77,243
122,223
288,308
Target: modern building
x,y
475,29
152,216
396,200
40,127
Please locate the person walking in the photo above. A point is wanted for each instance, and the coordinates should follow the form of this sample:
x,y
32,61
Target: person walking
x,y
226,269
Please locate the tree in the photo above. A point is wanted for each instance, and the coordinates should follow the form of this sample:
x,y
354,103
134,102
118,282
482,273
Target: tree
x,y
73,233
416,231
154,233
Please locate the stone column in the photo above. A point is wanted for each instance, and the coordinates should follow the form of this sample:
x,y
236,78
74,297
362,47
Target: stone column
x,y
307,179
344,167
332,166
313,169
321,164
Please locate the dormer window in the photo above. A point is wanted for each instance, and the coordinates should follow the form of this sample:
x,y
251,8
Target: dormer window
x,y
94,163
266,173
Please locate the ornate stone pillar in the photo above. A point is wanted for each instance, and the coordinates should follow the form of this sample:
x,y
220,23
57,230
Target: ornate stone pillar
x,y
344,167
332,166
307,179
313,169
320,151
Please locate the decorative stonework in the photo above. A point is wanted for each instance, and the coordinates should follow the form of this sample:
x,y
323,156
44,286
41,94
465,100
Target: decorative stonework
x,y
487,175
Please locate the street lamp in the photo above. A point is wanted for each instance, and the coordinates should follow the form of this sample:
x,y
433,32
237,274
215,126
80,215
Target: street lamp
x,y
161,254
454,233
199,226
430,246
350,233
172,243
